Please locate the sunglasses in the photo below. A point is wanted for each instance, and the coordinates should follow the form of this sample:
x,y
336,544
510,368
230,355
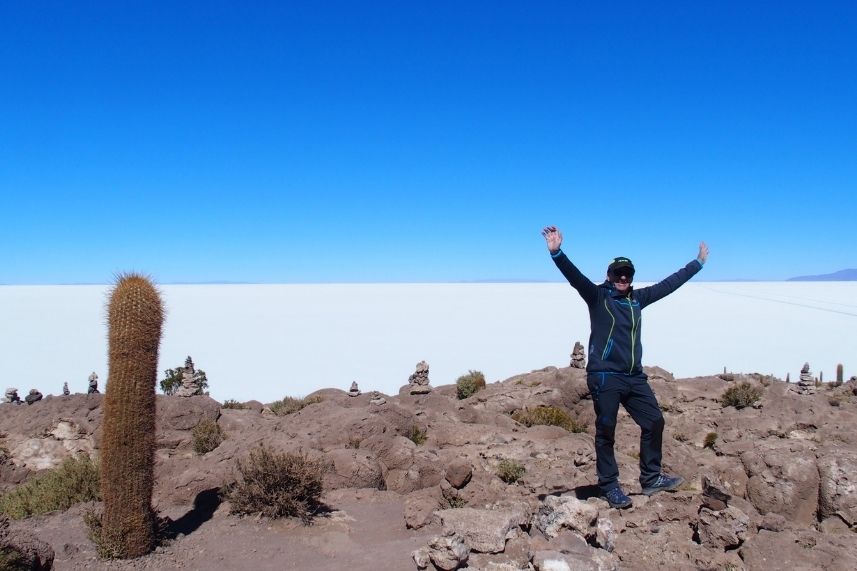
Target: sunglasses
x,y
623,275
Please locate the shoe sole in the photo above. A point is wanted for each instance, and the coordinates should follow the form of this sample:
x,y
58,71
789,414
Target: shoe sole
x,y
617,506
672,488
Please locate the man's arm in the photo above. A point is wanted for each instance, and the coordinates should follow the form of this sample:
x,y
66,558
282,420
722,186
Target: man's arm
x,y
649,295
587,290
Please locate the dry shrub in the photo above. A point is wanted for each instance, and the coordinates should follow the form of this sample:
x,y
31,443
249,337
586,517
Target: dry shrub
x,y
108,545
469,384
290,405
550,416
207,435
75,480
232,404
741,395
417,435
510,471
710,439
278,485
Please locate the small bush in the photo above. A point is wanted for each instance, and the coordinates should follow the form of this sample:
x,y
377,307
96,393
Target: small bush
x,y
452,502
710,439
108,545
75,480
680,436
207,435
550,416
291,405
740,396
835,401
417,435
353,442
233,404
510,471
278,485
469,384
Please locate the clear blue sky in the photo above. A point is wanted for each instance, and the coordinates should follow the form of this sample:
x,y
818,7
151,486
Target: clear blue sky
x,y
424,141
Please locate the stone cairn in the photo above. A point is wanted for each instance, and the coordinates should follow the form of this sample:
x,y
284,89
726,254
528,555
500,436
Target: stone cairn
x,y
354,391
65,390
377,399
806,384
190,387
419,380
34,396
12,396
93,384
578,357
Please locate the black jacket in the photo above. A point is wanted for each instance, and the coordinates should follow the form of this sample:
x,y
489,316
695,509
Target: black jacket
x,y
614,341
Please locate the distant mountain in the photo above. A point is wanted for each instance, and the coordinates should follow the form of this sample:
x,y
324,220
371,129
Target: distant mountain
x,y
840,276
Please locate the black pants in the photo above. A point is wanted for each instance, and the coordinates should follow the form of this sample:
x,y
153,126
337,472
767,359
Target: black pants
x,y
609,390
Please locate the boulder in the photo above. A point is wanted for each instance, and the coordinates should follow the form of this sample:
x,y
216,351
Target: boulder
x,y
837,471
783,479
566,512
446,552
483,530
352,469
724,529
458,473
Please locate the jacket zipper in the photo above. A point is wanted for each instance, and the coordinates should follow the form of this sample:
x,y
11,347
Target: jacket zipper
x,y
633,333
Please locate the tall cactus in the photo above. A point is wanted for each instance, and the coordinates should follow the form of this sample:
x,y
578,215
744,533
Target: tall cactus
x,y
840,376
135,316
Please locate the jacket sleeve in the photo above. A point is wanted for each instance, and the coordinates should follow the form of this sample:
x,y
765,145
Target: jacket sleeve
x,y
651,294
587,290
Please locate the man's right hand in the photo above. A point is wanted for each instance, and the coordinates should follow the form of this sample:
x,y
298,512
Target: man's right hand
x,y
553,238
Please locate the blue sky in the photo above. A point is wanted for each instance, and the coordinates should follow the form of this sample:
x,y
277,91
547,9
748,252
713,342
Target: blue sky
x,y
424,141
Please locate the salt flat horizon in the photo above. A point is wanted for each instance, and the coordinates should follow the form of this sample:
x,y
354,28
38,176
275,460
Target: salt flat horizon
x,y
267,341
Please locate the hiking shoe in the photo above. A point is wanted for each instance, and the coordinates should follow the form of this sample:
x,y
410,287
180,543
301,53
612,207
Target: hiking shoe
x,y
617,498
663,483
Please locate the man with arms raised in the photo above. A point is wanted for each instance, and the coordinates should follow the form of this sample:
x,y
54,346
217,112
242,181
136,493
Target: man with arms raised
x,y
614,369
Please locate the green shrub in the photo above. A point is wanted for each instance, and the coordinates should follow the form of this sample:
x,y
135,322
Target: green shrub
x,y
741,395
710,439
510,471
108,545
233,404
278,485
172,380
207,435
469,384
75,480
417,435
13,560
290,405
550,416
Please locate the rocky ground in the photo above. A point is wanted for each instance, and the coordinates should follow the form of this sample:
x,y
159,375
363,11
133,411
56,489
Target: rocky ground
x,y
774,487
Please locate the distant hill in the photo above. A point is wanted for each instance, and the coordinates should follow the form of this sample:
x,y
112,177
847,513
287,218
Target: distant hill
x,y
840,276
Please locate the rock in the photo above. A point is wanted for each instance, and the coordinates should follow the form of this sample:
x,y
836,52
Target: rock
x,y
578,356
485,531
352,469
804,551
34,553
377,399
354,391
458,473
566,512
418,382
594,560
420,507
446,552
93,384
12,396
516,556
783,479
34,396
605,534
724,529
838,485
714,493
186,413
773,522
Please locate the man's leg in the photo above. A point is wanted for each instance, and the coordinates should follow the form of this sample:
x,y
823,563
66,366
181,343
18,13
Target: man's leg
x,y
643,407
606,390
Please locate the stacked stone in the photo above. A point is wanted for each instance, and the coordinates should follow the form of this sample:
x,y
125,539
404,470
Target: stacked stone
x,y
12,396
578,357
93,384
190,387
65,390
34,396
354,391
419,380
806,384
377,399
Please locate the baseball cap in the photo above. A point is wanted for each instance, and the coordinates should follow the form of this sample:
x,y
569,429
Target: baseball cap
x,y
619,263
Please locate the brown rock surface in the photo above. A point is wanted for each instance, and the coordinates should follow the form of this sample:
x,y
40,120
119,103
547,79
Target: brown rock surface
x,y
773,477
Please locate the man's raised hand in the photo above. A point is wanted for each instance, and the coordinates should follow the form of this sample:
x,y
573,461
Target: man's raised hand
x,y
703,252
553,238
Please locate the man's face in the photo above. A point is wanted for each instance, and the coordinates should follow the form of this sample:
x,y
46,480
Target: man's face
x,y
621,279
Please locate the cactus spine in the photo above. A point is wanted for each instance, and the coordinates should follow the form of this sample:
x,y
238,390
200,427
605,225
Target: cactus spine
x,y
135,316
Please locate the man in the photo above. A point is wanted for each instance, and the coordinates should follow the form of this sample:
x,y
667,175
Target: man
x,y
614,371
